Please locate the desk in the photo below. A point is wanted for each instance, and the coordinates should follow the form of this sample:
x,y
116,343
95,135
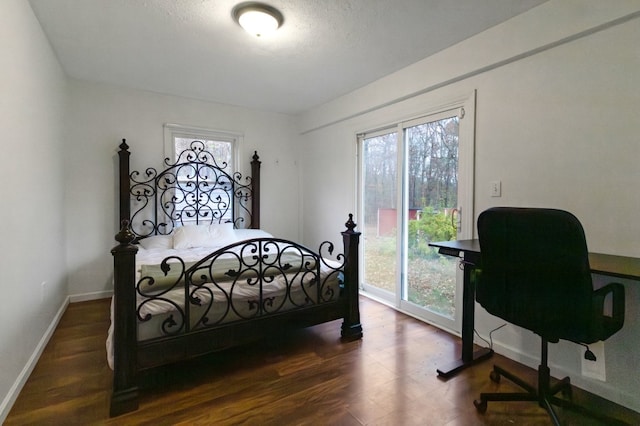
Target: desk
x,y
469,251
615,266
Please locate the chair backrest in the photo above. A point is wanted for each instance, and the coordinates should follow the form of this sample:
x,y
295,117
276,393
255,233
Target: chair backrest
x,y
535,270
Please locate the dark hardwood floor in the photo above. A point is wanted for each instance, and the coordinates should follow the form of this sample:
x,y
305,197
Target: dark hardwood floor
x,y
305,378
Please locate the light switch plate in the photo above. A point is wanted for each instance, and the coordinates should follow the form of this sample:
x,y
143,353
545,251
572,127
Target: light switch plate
x,y
496,188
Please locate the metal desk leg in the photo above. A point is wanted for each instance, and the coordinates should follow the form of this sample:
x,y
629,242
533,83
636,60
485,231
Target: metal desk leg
x,y
469,357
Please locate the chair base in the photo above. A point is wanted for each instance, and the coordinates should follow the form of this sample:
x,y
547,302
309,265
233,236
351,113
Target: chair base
x,y
544,395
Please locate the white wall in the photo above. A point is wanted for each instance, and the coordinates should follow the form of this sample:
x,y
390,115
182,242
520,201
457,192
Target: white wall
x,y
556,122
100,116
32,104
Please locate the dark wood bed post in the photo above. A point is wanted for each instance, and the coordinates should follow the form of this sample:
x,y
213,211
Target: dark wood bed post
x,y
125,202
255,191
351,326
124,397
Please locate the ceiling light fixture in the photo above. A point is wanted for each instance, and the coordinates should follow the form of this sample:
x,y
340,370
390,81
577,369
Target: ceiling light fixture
x,y
258,19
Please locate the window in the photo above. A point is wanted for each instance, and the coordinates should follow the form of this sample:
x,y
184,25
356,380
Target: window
x,y
202,189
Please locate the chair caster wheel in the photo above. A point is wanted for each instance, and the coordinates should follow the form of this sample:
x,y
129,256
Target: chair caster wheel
x,y
494,376
481,406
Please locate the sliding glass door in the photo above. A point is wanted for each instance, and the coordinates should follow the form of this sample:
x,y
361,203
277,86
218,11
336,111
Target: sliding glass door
x,y
380,197
416,183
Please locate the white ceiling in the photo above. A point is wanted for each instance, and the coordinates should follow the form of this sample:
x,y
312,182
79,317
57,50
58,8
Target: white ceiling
x,y
193,48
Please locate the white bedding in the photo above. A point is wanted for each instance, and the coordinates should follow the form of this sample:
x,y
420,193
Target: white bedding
x,y
161,310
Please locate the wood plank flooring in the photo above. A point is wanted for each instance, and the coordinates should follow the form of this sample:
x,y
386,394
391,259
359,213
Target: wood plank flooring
x,y
305,378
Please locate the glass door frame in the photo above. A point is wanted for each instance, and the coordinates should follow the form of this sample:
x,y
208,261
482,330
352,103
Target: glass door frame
x,y
464,107
379,294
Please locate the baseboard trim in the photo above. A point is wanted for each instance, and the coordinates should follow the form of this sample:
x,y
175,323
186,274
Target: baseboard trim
x,y
84,297
596,387
12,395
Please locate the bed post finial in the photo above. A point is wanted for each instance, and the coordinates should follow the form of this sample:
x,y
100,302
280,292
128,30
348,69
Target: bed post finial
x,y
350,224
125,236
351,326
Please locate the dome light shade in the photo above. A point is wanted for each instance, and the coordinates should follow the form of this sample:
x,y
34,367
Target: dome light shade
x,y
258,19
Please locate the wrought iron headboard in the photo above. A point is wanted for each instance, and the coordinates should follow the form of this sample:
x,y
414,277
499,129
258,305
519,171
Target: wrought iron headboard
x,y
193,189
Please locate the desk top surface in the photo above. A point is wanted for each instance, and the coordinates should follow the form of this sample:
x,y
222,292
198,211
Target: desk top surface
x,y
604,264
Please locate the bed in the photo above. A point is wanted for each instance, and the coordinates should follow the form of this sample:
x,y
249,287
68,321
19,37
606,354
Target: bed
x,y
195,274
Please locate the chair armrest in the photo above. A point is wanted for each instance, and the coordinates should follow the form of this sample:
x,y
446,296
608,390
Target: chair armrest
x,y
613,323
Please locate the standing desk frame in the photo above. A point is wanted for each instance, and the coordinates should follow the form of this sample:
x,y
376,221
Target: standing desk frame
x,y
469,253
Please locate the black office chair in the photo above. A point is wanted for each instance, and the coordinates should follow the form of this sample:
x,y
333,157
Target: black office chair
x,y
535,274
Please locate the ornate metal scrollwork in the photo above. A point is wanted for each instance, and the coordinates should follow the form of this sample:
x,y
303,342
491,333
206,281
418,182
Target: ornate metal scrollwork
x,y
242,281
196,188
154,290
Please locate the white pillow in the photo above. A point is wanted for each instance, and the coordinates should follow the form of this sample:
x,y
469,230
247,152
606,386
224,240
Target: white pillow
x,y
222,233
163,242
190,236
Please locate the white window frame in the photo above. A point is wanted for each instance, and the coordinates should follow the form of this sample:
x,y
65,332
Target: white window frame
x,y
173,131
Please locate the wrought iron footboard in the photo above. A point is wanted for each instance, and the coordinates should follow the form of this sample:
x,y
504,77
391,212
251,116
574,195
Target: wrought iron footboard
x,y
242,281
